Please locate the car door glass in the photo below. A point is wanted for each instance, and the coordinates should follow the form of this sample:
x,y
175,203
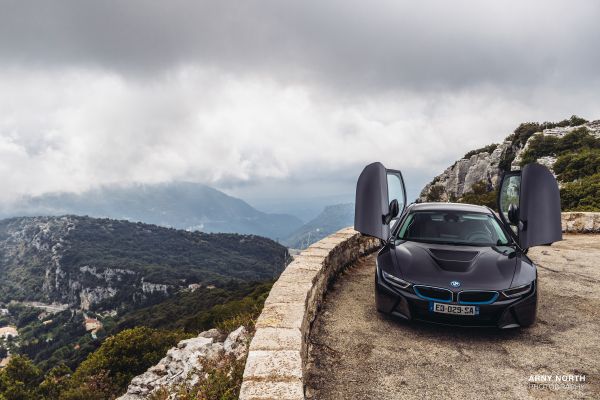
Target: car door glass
x,y
510,193
396,189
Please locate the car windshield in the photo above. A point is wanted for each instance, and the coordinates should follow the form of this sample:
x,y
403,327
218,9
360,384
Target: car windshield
x,y
453,227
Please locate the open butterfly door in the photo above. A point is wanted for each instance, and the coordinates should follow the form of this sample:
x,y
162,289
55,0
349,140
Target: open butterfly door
x,y
380,199
529,203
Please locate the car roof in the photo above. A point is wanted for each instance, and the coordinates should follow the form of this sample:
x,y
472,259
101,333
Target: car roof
x,y
449,207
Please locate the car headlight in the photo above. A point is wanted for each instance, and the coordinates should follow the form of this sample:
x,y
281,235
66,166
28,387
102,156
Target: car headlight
x,y
399,283
517,291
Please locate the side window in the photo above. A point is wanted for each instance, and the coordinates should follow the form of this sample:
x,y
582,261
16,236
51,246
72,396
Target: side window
x,y
396,189
510,194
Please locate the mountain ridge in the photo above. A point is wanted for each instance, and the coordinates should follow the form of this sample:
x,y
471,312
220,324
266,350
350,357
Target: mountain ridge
x,y
90,262
181,205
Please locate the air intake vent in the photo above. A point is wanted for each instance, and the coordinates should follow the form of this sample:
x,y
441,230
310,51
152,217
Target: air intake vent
x,y
451,255
454,261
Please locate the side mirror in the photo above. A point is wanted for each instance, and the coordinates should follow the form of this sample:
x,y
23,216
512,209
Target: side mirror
x,y
513,214
394,210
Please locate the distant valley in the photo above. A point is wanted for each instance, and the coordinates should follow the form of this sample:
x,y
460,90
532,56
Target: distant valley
x,y
68,282
330,220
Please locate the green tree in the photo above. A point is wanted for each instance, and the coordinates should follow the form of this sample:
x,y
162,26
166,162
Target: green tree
x,y
123,356
482,194
55,382
20,379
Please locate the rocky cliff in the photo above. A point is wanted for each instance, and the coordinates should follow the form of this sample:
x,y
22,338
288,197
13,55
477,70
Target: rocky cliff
x,y
484,167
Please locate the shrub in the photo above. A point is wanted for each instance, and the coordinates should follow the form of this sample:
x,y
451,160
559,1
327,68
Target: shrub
x,y
527,129
545,145
481,194
577,165
435,193
581,195
487,149
123,356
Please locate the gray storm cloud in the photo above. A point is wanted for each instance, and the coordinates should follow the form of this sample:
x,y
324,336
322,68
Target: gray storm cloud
x,y
239,93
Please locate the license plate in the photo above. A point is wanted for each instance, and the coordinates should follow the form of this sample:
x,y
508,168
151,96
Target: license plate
x,y
452,309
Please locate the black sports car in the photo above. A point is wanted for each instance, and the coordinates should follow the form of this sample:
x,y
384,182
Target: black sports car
x,y
459,264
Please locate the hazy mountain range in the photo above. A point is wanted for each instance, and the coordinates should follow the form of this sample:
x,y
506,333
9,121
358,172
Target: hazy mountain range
x,y
331,219
181,205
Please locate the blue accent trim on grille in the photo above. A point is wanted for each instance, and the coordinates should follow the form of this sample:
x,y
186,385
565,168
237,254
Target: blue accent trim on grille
x,y
416,289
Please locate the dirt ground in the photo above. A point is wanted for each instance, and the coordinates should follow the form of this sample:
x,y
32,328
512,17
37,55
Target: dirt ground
x,y
356,353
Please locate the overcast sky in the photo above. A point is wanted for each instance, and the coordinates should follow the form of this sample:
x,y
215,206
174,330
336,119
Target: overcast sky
x,y
274,100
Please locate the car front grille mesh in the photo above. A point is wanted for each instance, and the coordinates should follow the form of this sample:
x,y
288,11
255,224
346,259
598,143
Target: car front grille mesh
x,y
477,297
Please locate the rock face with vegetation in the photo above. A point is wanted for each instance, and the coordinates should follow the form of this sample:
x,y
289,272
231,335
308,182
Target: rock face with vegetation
x,y
570,148
105,264
184,367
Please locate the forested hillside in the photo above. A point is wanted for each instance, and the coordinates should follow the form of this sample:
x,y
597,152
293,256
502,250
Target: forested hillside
x,y
103,264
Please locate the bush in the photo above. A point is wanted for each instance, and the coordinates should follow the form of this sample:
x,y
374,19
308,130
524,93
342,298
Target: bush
x,y
527,129
435,193
121,357
481,194
545,145
540,146
577,165
524,132
487,149
581,195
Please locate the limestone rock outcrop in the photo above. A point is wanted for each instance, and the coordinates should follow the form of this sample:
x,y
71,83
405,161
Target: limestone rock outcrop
x,y
183,364
459,178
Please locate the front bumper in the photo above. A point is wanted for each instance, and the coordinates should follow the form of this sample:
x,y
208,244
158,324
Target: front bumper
x,y
405,304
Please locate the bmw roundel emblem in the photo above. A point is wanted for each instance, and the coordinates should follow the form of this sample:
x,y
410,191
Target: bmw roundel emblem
x,y
455,283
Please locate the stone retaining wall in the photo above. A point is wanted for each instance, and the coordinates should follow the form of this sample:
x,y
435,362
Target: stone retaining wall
x,y
581,222
276,360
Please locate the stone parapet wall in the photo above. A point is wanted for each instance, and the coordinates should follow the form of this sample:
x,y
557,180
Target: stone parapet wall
x,y
581,222
278,351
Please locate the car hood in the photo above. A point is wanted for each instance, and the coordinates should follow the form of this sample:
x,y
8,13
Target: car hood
x,y
487,268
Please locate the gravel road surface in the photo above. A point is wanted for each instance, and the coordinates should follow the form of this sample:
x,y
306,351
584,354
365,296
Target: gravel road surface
x,y
356,353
